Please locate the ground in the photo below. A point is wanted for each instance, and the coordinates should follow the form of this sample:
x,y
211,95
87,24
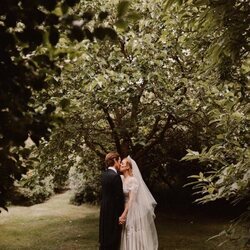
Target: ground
x,y
58,225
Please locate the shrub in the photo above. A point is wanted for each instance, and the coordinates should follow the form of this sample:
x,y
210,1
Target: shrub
x,y
31,190
85,185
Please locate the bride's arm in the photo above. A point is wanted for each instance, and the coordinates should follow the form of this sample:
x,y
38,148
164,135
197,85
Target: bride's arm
x,y
133,188
125,212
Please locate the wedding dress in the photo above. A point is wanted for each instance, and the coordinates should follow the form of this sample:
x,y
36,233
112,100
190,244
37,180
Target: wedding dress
x,y
139,232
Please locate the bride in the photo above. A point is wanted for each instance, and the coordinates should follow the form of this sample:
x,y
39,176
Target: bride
x,y
139,232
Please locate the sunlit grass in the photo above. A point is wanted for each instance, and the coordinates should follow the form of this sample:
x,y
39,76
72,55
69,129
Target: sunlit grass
x,y
52,225
59,225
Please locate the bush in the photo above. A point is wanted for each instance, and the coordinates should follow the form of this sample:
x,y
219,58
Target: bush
x,y
31,190
84,184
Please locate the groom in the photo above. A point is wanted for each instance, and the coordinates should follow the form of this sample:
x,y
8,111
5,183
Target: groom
x,y
112,204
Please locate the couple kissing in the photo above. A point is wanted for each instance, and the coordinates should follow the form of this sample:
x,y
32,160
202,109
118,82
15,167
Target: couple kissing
x,y
127,207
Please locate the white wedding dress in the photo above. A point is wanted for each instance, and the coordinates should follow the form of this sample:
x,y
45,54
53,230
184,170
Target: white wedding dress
x,y
139,232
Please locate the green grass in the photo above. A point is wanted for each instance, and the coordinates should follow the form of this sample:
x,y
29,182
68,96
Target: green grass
x,y
58,225
189,232
51,225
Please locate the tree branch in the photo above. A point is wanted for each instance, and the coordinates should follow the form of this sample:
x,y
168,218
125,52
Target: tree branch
x,y
154,129
93,148
158,139
113,129
101,146
135,101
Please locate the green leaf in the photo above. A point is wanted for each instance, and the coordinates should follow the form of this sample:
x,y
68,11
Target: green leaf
x,y
168,4
210,190
122,8
221,136
121,24
133,16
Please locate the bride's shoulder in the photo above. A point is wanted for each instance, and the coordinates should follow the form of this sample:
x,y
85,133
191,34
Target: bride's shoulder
x,y
132,179
133,183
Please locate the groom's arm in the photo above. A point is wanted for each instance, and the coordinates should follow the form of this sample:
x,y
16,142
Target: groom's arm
x,y
119,196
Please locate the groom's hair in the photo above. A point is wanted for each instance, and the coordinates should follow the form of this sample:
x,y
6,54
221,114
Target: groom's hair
x,y
110,159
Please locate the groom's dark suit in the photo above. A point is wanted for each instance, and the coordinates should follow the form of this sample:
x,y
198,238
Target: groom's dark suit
x,y
112,206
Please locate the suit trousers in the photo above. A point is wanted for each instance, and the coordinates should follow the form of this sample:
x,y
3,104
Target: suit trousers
x,y
111,247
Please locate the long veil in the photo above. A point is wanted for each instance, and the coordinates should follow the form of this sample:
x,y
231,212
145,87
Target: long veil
x,y
144,196
140,220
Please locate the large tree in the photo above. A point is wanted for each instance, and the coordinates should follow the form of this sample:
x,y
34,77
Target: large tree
x,y
136,96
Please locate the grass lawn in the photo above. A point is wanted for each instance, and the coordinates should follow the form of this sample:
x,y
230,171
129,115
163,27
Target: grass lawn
x,y
57,225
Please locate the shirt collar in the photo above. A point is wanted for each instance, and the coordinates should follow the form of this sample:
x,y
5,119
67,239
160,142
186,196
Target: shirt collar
x,y
114,169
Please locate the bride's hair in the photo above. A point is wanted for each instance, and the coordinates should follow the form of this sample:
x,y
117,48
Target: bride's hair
x,y
129,163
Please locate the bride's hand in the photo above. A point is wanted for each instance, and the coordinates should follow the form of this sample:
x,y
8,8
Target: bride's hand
x,y
122,219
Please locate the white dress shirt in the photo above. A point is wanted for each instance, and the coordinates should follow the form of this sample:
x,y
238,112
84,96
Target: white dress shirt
x,y
114,169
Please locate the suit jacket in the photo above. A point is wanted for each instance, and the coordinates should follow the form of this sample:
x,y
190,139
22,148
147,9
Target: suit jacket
x,y
112,206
